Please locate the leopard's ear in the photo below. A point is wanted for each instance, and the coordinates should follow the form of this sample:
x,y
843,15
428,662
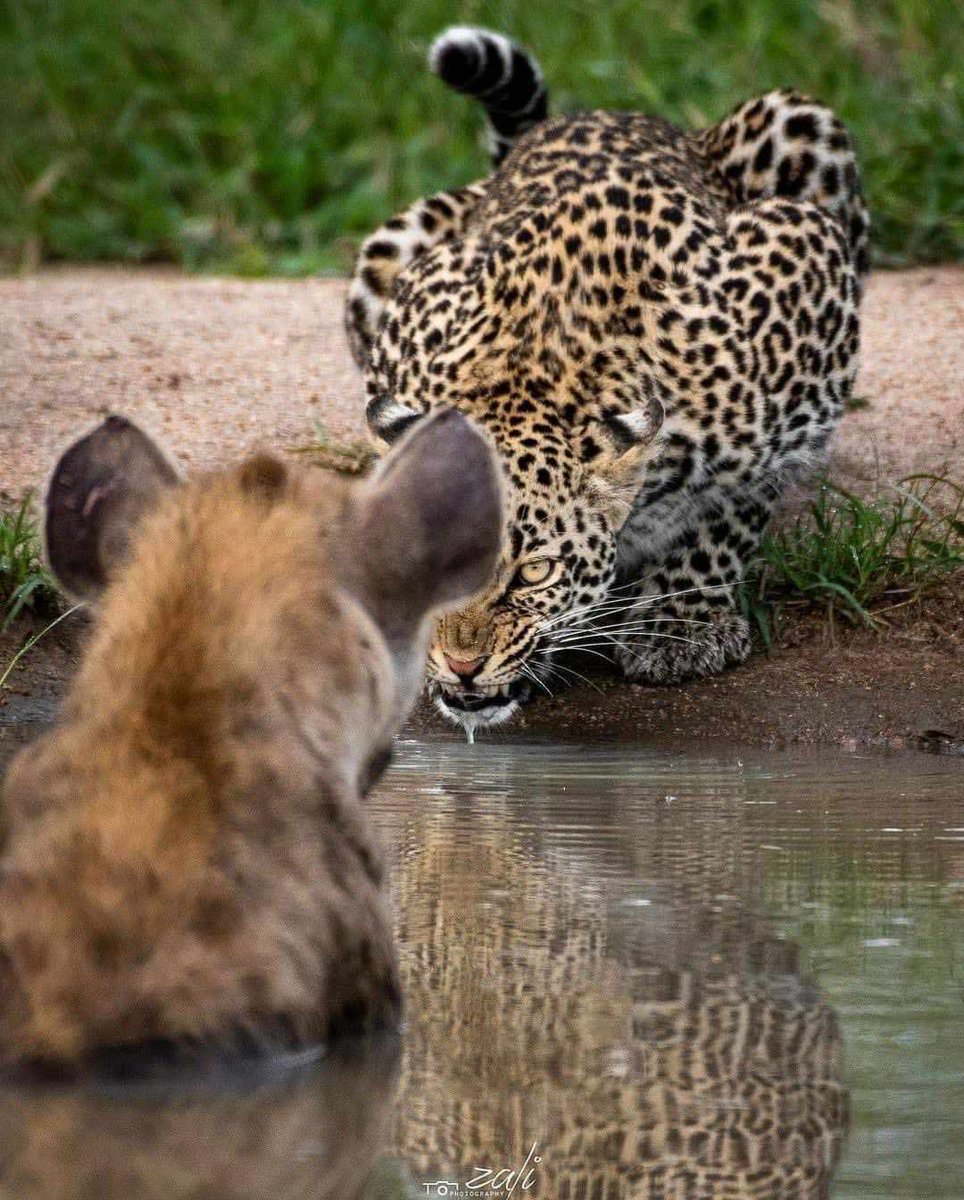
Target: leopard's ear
x,y
429,524
622,444
617,445
99,490
389,420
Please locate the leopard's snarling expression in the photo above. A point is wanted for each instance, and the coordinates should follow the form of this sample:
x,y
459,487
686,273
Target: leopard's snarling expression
x,y
574,426
558,562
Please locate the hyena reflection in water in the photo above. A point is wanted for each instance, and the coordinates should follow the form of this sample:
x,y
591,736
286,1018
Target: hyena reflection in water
x,y
188,862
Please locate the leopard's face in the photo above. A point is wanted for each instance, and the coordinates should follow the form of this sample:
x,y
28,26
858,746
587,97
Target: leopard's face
x,y
575,424
556,569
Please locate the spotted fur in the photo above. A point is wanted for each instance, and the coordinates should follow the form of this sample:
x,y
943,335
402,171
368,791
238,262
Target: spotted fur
x,y
188,866
658,330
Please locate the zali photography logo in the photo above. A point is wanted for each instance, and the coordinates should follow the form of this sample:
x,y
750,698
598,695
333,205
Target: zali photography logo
x,y
490,1181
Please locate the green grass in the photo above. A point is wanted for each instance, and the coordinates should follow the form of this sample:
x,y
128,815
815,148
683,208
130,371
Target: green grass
x,y
269,136
344,458
859,558
25,584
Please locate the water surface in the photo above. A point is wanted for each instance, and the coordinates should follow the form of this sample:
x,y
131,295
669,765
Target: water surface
x,y
627,974
716,973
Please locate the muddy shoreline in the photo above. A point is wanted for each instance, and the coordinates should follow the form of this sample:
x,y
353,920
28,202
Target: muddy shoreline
x,y
901,689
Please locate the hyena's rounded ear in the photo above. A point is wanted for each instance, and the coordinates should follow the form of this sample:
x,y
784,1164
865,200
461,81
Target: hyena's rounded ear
x,y
429,527
99,490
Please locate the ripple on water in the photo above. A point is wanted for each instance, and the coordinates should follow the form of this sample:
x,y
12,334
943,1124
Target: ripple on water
x,y
595,940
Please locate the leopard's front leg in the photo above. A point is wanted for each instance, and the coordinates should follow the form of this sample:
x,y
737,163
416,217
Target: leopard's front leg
x,y
683,619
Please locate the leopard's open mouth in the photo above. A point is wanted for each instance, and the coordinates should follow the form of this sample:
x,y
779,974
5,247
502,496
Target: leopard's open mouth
x,y
478,699
480,707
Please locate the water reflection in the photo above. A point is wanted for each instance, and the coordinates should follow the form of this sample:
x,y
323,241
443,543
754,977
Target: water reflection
x,y
600,969
314,1133
627,976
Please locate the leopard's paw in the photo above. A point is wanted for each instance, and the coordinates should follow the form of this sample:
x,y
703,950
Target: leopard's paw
x,y
681,651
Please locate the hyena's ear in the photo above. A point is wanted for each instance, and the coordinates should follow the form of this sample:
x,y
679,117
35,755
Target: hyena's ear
x,y
429,525
99,490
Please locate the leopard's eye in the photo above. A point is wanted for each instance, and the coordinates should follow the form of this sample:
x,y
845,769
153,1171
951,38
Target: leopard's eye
x,y
531,574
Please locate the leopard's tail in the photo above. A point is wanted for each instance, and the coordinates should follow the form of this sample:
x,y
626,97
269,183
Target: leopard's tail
x,y
506,79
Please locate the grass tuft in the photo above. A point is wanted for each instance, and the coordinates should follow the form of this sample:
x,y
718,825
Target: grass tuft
x,y
344,458
860,558
25,584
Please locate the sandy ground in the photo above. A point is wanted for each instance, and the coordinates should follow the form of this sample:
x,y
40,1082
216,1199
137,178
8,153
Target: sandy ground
x,y
213,366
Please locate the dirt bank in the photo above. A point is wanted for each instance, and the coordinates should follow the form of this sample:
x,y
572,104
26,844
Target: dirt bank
x,y
212,366
900,690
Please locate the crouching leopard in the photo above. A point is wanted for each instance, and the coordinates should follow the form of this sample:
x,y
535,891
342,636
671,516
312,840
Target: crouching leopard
x,y
657,329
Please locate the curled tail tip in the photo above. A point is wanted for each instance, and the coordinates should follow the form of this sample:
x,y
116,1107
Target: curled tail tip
x,y
506,79
458,54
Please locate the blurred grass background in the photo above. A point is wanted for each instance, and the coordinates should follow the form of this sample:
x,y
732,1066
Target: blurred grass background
x,y
268,136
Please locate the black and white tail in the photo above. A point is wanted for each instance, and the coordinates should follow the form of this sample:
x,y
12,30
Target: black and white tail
x,y
506,79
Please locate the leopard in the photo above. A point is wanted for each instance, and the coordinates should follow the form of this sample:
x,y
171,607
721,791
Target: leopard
x,y
658,330
189,874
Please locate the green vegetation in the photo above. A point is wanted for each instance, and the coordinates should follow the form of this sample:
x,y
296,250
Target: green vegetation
x,y
253,137
24,582
859,558
25,585
344,458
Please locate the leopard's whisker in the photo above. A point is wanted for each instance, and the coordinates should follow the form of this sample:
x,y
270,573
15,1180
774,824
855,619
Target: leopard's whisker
x,y
583,616
529,673
605,602
568,670
609,606
705,588
628,626
610,639
605,657
567,636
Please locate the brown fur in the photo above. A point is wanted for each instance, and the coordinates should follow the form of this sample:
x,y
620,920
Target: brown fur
x,y
187,855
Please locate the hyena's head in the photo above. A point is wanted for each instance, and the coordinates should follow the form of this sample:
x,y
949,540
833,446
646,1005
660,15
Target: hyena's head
x,y
266,583
186,854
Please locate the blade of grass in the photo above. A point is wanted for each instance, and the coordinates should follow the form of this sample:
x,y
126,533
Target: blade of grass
x,y
31,642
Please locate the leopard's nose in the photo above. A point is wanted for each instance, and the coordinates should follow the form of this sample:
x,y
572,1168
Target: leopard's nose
x,y
465,668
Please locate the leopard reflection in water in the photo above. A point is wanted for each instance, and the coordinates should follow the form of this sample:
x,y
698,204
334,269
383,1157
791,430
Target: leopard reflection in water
x,y
641,1046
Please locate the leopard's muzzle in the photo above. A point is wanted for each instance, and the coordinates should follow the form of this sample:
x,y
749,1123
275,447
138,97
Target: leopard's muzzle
x,y
479,707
